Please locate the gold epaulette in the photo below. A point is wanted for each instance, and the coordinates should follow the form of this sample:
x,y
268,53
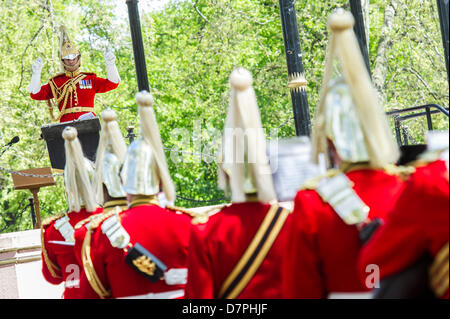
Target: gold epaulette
x,y
402,171
51,219
84,221
312,183
197,217
97,219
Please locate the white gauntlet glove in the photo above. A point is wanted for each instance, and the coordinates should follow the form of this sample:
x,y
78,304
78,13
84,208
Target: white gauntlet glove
x,y
111,70
35,84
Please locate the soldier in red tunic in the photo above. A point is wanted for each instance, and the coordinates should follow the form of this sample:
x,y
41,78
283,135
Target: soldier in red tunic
x,y
236,254
140,252
352,131
57,232
72,91
411,249
107,185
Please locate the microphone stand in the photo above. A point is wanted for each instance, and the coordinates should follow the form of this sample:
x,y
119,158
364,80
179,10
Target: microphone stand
x,y
8,146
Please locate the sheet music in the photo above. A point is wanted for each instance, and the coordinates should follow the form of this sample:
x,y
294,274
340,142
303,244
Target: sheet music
x,y
290,161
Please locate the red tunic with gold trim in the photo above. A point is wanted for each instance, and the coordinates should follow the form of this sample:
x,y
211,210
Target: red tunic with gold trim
x,y
59,263
165,234
419,223
322,250
86,84
218,245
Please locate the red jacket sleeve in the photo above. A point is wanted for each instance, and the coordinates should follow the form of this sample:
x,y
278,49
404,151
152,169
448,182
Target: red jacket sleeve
x,y
50,257
200,283
44,94
396,245
102,85
301,262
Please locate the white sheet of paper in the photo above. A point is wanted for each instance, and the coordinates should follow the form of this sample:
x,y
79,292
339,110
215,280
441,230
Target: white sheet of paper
x,y
290,161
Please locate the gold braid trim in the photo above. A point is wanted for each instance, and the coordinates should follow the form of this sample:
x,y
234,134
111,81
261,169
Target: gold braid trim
x,y
69,88
439,280
402,171
51,219
197,217
89,269
140,200
88,265
50,265
313,183
84,221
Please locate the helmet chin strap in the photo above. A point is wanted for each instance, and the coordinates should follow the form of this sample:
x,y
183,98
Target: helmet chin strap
x,y
71,68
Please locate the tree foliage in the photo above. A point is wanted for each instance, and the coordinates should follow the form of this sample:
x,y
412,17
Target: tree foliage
x,y
191,47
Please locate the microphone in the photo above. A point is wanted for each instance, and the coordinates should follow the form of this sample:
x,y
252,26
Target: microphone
x,y
14,140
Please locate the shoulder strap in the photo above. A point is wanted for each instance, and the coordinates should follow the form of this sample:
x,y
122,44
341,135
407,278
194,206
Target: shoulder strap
x,y
52,268
51,219
249,263
439,280
338,192
197,217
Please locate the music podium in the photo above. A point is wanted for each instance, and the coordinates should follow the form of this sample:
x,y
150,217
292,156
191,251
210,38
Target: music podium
x,y
34,183
88,134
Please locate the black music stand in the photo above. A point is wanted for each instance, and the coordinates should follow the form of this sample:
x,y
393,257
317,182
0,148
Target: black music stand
x,y
88,134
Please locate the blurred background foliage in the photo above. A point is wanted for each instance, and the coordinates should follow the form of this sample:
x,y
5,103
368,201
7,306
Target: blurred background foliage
x,y
191,47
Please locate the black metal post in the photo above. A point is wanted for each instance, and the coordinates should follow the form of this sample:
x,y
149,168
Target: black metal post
x,y
297,81
429,121
131,134
138,46
360,30
443,8
33,214
398,133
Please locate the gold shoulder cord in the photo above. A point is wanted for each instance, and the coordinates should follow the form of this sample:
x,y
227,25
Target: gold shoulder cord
x,y
67,89
88,265
439,280
402,171
313,183
197,218
50,265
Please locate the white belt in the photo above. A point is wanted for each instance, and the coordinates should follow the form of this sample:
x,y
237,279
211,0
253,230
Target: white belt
x,y
159,295
350,295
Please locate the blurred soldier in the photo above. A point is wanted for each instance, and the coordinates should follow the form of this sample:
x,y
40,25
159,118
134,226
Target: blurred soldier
x,y
140,252
411,249
107,185
72,91
352,131
237,253
59,262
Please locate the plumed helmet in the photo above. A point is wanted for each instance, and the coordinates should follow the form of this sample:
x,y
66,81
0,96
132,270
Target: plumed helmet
x,y
68,50
145,169
110,155
343,127
78,173
243,163
349,112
